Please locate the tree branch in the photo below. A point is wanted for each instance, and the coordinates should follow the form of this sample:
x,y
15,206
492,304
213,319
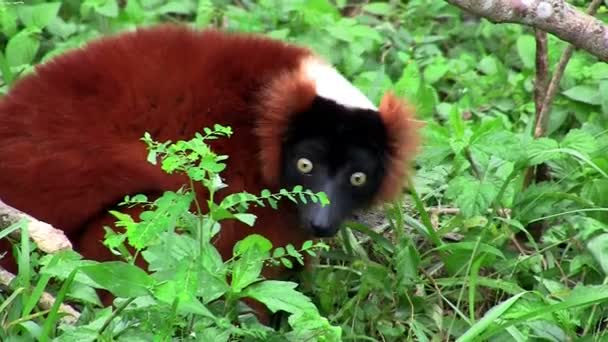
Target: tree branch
x,y
554,16
49,240
46,237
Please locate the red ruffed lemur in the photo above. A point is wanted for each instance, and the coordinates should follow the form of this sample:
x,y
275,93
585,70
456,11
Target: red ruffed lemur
x,y
70,147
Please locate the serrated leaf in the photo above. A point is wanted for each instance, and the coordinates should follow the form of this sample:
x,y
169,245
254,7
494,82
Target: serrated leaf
x,y
542,150
252,251
280,295
409,81
456,123
426,99
471,195
581,141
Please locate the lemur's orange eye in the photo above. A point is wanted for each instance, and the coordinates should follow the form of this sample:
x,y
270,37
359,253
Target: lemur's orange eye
x,y
358,179
304,165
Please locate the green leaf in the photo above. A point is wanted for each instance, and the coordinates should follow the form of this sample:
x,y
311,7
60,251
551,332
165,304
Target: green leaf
x,y
252,252
409,81
108,8
492,138
426,99
378,8
280,295
584,93
488,65
471,246
22,47
526,49
599,71
39,15
603,93
8,21
121,279
580,140
252,241
179,7
471,195
598,246
435,71
248,219
488,319
542,150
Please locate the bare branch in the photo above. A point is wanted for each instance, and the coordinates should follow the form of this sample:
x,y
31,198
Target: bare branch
x,y
554,16
555,80
46,237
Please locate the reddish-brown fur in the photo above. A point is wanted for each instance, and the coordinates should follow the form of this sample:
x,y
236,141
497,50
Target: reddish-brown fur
x,y
69,134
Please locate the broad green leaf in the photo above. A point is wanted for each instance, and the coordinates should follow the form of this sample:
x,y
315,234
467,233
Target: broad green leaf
x,y
541,150
598,246
471,195
22,47
409,81
120,278
526,48
247,268
252,241
39,15
493,139
580,140
108,8
378,8
488,65
248,219
179,7
280,295
8,21
599,70
426,100
584,93
435,71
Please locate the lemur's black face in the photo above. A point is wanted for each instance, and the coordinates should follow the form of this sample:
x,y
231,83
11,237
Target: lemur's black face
x,y
339,151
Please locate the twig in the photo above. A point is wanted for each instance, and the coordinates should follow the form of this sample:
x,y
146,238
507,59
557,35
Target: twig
x,y
540,88
554,16
541,120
